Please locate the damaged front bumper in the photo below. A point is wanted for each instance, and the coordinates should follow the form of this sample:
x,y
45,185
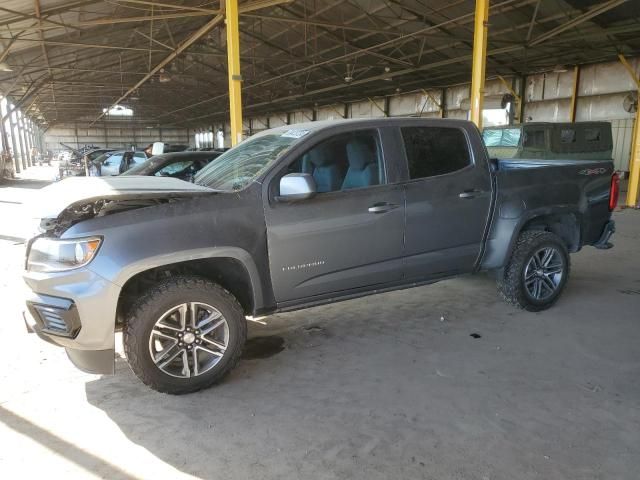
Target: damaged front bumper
x,y
74,310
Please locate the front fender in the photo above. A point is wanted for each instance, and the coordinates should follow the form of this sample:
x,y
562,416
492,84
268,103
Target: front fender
x,y
122,275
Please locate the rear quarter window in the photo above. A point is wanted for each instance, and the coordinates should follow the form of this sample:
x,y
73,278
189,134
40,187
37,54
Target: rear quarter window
x,y
433,151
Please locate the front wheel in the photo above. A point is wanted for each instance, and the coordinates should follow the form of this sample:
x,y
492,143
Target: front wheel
x,y
537,271
184,335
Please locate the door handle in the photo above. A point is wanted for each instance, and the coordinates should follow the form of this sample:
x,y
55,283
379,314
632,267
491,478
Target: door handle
x,y
382,207
468,194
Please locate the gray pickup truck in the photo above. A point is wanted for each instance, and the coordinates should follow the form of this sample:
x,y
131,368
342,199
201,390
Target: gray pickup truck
x,y
291,218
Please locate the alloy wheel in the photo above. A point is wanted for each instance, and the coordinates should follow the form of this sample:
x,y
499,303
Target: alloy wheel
x,y
189,339
543,273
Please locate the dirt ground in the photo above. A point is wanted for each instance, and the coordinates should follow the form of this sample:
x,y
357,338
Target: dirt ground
x,y
437,382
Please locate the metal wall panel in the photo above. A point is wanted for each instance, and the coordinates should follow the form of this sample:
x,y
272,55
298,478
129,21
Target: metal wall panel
x,y
409,104
330,112
302,116
610,77
455,95
602,107
622,131
366,109
425,106
549,111
278,120
111,136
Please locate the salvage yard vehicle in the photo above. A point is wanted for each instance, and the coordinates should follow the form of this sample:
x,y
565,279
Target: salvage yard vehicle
x,y
119,162
551,141
502,141
182,165
291,218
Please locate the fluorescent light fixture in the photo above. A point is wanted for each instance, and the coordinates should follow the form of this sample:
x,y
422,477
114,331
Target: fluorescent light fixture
x,y
118,111
4,67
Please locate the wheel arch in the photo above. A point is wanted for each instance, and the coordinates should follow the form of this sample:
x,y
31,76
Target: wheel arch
x,y
231,270
565,224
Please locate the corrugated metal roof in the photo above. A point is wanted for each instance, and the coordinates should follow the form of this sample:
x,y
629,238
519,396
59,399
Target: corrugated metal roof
x,y
80,56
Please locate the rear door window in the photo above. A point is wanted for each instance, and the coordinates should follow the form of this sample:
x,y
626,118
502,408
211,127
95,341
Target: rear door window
x,y
433,151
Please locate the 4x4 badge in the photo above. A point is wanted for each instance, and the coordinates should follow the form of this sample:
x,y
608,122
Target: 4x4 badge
x,y
592,171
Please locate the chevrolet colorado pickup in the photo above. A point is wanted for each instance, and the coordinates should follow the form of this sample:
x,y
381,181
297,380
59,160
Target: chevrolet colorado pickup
x,y
291,218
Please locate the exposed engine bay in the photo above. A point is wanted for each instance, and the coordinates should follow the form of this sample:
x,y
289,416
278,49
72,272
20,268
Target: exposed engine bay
x,y
75,199
97,208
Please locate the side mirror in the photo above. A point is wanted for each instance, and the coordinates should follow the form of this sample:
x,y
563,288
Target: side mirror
x,y
296,186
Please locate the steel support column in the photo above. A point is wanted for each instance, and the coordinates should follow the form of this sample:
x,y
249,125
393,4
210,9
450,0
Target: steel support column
x,y
479,62
27,140
235,79
6,148
8,126
574,94
18,136
634,161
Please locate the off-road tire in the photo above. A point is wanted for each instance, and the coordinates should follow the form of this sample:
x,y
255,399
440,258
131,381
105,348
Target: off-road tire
x,y
146,311
511,283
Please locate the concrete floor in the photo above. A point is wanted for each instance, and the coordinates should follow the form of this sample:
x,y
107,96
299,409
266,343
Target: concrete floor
x,y
390,386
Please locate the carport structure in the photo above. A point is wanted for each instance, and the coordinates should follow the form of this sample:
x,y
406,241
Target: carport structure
x,y
68,62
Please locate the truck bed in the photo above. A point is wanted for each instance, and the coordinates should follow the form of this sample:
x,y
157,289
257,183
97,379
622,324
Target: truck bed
x,y
525,163
576,192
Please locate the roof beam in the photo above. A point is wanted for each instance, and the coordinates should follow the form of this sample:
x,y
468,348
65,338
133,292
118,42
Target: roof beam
x,y
27,16
588,15
203,30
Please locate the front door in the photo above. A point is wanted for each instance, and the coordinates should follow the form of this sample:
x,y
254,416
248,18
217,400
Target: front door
x,y
111,166
448,202
348,236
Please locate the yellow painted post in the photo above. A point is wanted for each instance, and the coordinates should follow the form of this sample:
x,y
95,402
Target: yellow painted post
x,y
634,161
574,94
481,25
634,165
235,79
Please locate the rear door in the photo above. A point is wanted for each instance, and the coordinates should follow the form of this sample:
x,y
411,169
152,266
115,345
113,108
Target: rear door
x,y
448,200
349,236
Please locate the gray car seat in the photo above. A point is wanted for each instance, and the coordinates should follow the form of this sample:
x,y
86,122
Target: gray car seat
x,y
327,172
363,165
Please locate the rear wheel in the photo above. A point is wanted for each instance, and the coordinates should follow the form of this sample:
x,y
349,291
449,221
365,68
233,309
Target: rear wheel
x,y
184,335
537,271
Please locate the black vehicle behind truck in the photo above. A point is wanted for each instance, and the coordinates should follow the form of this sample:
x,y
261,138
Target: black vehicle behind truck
x,y
295,217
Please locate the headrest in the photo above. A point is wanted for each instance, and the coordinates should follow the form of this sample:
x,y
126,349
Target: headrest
x,y
359,154
320,156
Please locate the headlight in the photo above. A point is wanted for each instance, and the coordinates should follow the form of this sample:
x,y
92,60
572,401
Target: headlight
x,y
53,255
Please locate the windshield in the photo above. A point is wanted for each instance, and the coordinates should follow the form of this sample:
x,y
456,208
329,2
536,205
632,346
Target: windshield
x,y
236,168
102,158
501,137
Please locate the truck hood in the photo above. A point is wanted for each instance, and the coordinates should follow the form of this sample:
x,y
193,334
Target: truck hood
x,y
60,205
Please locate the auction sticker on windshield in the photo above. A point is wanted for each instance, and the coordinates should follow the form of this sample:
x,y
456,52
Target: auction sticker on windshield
x,y
295,133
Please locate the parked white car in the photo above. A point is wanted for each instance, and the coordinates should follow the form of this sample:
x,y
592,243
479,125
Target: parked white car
x,y
112,164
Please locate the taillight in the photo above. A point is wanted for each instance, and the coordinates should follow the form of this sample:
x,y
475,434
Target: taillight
x,y
614,192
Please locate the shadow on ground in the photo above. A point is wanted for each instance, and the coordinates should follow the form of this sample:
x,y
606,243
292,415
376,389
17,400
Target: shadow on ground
x,y
24,183
394,386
